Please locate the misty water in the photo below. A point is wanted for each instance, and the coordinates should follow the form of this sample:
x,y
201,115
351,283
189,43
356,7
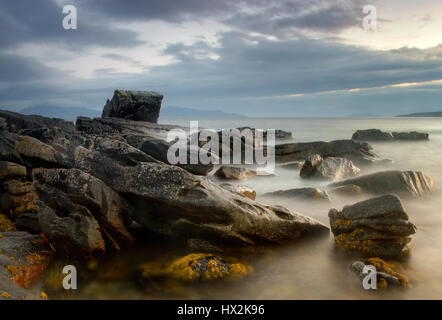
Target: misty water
x,y
310,268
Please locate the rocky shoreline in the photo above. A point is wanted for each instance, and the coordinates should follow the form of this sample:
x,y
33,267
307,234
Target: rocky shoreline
x,y
75,191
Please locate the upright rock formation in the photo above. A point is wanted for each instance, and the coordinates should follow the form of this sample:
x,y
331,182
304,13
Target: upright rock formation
x,y
134,105
377,227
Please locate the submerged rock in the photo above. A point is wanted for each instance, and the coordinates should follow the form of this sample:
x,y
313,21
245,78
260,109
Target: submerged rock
x,y
23,259
173,202
386,273
329,168
300,193
402,183
377,227
360,153
197,267
349,190
134,105
236,173
378,135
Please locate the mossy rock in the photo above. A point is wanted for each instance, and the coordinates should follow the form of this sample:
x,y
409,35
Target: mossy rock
x,y
197,267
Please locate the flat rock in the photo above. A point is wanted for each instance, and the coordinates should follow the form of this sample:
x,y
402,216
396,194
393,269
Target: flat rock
x,y
307,193
402,183
235,173
377,227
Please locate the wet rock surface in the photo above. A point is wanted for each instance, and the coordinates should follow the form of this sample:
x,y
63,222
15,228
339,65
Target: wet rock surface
x,y
377,227
329,168
402,183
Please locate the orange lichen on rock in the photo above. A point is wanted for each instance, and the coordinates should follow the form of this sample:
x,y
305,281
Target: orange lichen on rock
x,y
6,295
389,268
6,225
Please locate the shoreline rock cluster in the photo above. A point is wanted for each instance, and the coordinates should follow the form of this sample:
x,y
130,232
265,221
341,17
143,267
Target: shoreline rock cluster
x,y
379,135
78,189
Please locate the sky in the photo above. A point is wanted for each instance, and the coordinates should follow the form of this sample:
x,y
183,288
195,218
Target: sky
x,y
300,58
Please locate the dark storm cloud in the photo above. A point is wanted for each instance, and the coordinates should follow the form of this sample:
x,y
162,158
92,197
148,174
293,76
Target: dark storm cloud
x,y
41,22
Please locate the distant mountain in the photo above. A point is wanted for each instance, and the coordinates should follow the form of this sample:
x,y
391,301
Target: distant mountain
x,y
180,112
423,114
67,113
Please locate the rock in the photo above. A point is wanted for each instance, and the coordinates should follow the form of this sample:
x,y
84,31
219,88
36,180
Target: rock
x,y
360,153
300,193
297,165
107,207
18,197
158,149
16,122
410,135
378,135
240,189
23,259
372,135
310,166
349,190
71,229
197,267
175,203
377,227
386,273
28,222
3,124
236,173
34,153
333,168
6,225
402,183
134,105
7,146
202,245
10,170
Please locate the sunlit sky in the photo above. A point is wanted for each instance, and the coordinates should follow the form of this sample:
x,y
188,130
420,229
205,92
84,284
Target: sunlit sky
x,y
256,58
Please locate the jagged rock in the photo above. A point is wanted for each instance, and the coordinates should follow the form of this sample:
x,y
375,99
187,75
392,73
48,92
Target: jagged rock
x,y
402,183
240,189
236,173
329,168
197,267
372,135
349,190
134,105
300,193
107,207
10,170
16,122
23,258
28,222
410,135
385,273
360,153
378,135
175,203
377,227
71,229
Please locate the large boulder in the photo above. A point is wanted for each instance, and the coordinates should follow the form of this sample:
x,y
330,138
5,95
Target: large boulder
x,y
134,105
402,183
377,227
107,207
360,153
173,202
23,259
329,168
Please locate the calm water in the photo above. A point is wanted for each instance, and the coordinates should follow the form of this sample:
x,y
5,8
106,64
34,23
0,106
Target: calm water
x,y
311,269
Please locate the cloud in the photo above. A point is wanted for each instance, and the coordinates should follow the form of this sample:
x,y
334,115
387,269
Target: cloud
x,y
41,22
